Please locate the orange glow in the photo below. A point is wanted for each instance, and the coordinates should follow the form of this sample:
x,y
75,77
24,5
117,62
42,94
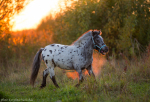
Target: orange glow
x,y
98,62
34,12
73,75
32,37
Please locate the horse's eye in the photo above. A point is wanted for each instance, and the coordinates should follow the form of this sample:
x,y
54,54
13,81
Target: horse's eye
x,y
97,41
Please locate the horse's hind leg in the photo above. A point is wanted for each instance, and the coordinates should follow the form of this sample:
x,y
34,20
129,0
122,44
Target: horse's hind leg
x,y
45,74
52,76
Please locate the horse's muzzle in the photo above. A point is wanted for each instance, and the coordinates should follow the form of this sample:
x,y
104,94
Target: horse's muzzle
x,y
104,50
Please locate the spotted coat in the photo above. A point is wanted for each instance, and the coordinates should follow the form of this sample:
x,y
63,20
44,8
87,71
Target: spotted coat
x,y
76,56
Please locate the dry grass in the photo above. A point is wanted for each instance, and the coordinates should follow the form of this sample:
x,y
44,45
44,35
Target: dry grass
x,y
119,80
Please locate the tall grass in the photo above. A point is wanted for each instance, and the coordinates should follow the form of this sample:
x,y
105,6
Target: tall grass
x,y
121,79
118,81
22,47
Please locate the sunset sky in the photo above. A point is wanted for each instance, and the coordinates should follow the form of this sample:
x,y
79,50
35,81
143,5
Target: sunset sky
x,y
33,13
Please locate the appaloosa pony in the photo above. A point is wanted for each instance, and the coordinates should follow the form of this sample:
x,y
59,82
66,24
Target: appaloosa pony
x,y
77,56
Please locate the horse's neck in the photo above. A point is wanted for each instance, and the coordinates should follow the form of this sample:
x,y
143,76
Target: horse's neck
x,y
87,45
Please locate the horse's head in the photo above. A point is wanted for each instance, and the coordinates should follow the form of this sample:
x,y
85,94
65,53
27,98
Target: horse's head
x,y
98,42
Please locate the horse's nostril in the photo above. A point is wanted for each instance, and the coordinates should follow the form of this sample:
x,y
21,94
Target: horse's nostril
x,y
106,49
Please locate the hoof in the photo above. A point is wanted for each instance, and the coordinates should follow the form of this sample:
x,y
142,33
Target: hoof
x,y
42,86
57,86
77,85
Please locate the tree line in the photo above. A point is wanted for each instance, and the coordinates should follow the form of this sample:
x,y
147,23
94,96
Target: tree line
x,y
125,23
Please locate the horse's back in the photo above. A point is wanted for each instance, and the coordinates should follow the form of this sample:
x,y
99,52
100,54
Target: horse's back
x,y
52,50
61,55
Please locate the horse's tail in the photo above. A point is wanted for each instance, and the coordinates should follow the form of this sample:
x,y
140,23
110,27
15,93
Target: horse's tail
x,y
35,66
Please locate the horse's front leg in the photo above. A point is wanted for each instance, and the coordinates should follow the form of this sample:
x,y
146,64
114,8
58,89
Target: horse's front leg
x,y
90,71
80,77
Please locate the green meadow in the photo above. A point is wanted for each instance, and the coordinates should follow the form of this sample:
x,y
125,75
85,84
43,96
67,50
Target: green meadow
x,y
113,84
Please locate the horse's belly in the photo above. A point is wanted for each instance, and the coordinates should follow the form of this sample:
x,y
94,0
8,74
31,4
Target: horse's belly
x,y
64,61
64,65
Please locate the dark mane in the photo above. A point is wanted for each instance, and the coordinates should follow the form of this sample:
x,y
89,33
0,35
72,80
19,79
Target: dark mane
x,y
84,36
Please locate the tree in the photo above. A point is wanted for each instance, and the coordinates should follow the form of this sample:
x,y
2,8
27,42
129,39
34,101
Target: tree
x,y
7,9
122,22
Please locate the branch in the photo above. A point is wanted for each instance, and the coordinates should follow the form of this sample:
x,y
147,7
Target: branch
x,y
1,4
3,16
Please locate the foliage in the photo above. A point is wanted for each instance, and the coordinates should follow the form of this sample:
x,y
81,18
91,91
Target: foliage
x,y
7,9
126,30
124,23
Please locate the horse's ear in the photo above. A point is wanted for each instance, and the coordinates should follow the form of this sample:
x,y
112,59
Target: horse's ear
x,y
92,32
100,32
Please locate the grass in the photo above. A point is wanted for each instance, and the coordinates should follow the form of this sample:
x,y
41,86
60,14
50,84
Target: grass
x,y
114,84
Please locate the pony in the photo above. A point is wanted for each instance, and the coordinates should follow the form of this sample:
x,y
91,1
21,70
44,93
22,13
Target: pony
x,y
77,56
